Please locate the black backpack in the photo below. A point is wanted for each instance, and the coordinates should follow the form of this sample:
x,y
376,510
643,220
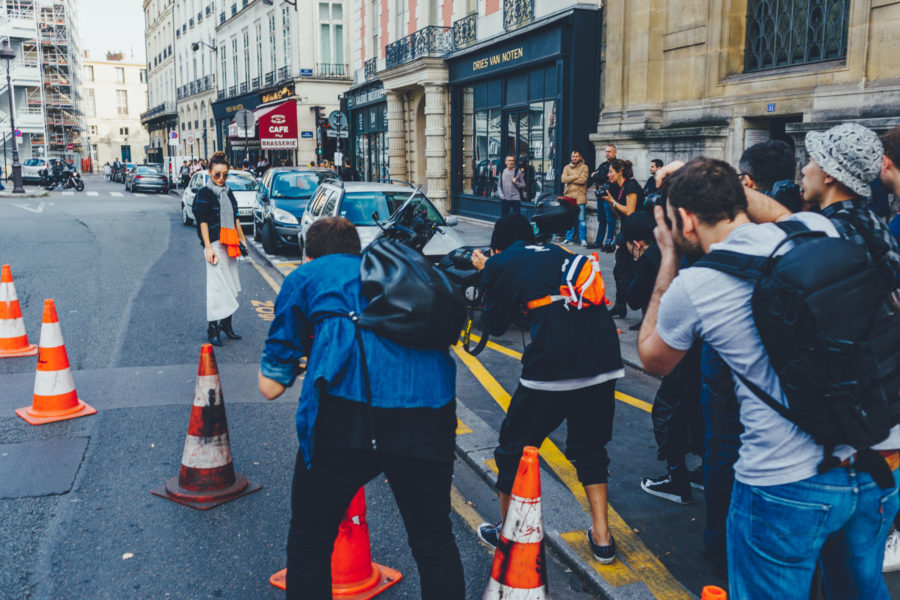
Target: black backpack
x,y
823,313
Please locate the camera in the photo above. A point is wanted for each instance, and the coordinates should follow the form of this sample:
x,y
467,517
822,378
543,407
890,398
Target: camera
x,y
461,258
601,190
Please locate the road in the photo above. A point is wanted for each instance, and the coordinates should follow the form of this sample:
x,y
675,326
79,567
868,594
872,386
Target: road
x,y
76,516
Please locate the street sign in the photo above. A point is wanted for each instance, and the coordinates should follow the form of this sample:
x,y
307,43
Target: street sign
x,y
306,72
18,132
190,139
770,107
337,134
337,120
70,146
173,135
306,134
245,119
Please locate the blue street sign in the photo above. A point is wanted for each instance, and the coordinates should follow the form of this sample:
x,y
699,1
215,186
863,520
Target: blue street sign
x,y
173,135
770,107
306,134
18,132
306,72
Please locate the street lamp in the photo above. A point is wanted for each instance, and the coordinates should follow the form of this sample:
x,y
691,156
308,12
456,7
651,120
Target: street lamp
x,y
7,54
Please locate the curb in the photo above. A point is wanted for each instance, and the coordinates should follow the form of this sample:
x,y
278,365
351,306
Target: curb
x,y
25,195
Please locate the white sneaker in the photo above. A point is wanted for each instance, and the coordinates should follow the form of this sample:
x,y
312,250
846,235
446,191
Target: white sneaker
x,y
891,552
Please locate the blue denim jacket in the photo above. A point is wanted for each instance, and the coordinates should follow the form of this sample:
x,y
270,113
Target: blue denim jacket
x,y
401,377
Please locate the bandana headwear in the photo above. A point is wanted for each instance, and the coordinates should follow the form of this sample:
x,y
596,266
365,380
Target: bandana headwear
x,y
228,236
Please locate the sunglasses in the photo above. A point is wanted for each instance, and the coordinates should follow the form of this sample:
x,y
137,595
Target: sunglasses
x,y
218,175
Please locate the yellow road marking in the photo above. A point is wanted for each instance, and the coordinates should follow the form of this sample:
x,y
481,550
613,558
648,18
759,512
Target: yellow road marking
x,y
266,277
462,428
638,557
617,574
492,465
288,267
498,348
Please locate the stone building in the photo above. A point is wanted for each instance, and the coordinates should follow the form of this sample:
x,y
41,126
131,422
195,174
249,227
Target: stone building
x,y
195,72
161,119
685,77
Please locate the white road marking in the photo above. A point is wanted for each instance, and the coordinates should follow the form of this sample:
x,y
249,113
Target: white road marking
x,y
68,193
116,194
93,193
140,195
39,209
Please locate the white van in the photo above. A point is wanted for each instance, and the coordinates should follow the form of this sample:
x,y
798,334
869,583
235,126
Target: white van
x,y
172,167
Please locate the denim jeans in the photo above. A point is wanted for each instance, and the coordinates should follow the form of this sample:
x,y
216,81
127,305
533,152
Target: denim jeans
x,y
606,223
582,226
508,206
777,534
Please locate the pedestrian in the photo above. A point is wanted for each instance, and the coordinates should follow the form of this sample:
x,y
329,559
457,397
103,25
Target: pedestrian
x,y
650,186
220,231
185,174
510,187
203,164
628,198
787,513
347,172
107,170
413,422
606,218
769,167
195,166
575,177
569,370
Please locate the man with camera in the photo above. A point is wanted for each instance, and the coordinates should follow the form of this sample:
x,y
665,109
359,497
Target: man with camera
x,y
606,217
569,369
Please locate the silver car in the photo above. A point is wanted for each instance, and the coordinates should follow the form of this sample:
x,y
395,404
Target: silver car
x,y
242,184
32,167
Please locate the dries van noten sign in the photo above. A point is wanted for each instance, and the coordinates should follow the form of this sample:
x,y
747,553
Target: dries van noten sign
x,y
499,58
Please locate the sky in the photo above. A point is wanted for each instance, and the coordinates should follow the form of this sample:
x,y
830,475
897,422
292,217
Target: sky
x,y
112,25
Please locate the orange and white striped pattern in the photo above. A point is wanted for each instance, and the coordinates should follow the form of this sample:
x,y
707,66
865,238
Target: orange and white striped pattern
x,y
55,398
518,571
13,340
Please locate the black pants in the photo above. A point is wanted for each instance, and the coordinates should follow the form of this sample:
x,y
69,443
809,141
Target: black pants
x,y
508,206
534,414
677,419
321,495
623,272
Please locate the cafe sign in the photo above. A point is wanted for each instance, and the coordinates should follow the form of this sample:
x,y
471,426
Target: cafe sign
x,y
283,92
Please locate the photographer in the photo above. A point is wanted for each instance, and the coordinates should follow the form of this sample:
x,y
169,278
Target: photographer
x,y
568,370
629,197
768,167
606,218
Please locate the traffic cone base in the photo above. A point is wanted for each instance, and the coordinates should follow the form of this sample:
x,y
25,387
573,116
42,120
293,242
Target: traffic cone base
x,y
205,500
27,350
13,340
381,579
42,417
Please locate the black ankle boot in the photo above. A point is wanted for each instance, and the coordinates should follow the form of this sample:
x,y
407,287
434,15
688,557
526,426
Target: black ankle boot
x,y
212,332
618,310
225,325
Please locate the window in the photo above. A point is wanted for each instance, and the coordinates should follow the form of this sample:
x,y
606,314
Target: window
x,y
120,75
234,59
89,72
122,102
224,82
259,50
123,131
93,130
143,75
401,8
286,37
90,103
331,34
793,32
273,62
246,35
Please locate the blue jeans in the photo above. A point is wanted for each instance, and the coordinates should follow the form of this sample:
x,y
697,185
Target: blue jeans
x,y
777,534
507,206
606,223
582,226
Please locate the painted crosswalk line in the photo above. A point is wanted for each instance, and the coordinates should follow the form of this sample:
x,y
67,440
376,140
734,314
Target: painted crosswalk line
x,y
116,194
68,193
93,193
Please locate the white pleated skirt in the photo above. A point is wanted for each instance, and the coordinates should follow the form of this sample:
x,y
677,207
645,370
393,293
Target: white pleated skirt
x,y
222,285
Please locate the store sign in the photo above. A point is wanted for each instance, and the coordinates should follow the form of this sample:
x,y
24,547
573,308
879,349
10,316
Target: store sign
x,y
278,127
280,94
509,56
365,96
527,49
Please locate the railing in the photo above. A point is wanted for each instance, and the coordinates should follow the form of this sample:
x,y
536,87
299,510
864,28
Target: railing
x,y
332,71
270,78
517,13
232,91
428,41
244,87
192,86
370,68
222,17
284,73
191,22
464,31
220,95
161,109
209,82
254,83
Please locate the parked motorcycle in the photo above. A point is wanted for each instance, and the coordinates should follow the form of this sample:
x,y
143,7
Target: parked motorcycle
x,y
66,180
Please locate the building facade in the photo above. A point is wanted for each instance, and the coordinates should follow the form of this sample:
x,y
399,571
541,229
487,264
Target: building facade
x,y
712,77
115,95
195,67
161,118
445,90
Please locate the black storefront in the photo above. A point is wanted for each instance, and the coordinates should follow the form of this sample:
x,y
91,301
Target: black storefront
x,y
367,113
532,94
223,113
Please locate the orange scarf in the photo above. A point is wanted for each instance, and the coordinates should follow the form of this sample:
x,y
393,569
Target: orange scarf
x,y
229,238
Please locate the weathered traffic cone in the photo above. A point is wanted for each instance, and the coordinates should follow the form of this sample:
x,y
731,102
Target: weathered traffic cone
x,y
13,340
55,398
207,478
353,574
712,592
518,569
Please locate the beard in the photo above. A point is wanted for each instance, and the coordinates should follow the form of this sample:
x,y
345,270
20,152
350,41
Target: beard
x,y
688,249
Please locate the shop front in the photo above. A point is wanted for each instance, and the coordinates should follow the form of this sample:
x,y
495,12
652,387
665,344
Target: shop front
x,y
237,143
367,109
278,132
532,95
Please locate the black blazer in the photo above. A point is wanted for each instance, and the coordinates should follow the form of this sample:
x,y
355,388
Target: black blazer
x,y
206,210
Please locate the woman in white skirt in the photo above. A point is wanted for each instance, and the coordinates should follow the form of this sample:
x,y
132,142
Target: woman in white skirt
x,y
215,210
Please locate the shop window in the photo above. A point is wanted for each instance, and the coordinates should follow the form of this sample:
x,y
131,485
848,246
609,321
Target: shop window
x,y
467,106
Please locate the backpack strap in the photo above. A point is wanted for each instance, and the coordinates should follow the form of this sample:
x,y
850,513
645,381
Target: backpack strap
x,y
876,246
742,266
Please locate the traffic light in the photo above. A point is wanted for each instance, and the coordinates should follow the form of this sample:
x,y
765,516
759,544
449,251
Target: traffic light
x,y
320,115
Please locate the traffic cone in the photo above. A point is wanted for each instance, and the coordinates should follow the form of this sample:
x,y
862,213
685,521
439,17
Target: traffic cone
x,y
55,398
712,592
518,569
353,574
13,340
207,478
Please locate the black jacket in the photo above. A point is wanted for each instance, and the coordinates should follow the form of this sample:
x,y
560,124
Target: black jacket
x,y
565,344
206,210
641,288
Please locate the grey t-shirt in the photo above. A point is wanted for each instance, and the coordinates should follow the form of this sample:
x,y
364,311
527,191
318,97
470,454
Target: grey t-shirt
x,y
709,304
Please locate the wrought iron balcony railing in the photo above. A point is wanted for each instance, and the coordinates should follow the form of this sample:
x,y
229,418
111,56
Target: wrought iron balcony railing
x,y
269,78
464,31
232,91
332,71
284,73
428,41
220,95
371,67
244,87
254,83
517,13
160,109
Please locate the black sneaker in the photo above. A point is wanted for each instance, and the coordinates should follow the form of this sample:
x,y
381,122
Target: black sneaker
x,y
603,554
663,487
490,533
696,478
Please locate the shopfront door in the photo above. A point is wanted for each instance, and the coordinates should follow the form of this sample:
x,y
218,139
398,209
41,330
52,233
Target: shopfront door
x,y
516,134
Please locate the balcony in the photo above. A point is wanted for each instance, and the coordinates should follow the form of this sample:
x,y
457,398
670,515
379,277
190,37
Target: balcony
x,y
220,95
269,79
232,91
428,41
371,67
332,71
222,17
517,13
244,87
167,108
464,31
254,83
284,73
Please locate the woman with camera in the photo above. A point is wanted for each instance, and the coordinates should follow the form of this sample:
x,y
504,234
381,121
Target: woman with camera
x,y
628,199
220,231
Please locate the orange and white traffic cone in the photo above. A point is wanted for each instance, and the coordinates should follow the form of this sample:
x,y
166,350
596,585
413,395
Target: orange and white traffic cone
x,y
353,574
518,570
712,592
55,398
13,340
207,478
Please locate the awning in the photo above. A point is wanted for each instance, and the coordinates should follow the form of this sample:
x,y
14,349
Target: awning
x,y
278,126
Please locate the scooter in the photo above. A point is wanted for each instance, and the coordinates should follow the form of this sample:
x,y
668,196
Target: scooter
x,y
66,180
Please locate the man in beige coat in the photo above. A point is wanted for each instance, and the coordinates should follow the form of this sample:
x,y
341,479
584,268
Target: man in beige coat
x,y
575,178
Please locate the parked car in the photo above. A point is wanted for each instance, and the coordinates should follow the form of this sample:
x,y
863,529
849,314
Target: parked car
x,y
281,201
146,177
119,177
243,185
361,201
32,167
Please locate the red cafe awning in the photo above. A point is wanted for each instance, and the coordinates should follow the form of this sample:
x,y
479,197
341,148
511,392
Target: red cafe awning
x,y
278,126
